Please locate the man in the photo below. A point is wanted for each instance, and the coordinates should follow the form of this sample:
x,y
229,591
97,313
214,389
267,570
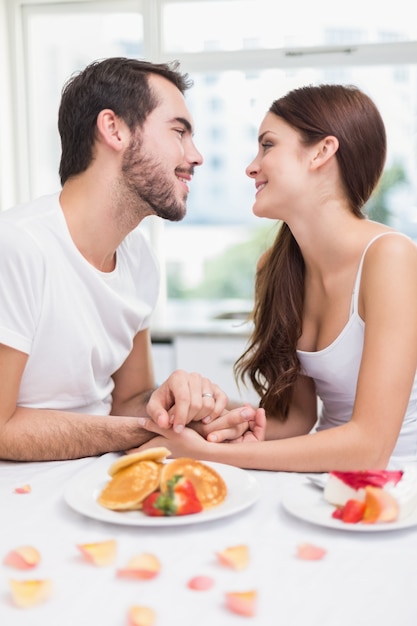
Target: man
x,y
79,282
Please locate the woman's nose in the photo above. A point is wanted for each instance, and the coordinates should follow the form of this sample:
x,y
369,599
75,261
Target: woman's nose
x,y
252,169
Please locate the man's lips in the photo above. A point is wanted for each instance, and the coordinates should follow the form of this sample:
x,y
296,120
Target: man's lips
x,y
185,178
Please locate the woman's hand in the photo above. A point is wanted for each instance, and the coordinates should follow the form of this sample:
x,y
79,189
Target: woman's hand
x,y
252,428
230,426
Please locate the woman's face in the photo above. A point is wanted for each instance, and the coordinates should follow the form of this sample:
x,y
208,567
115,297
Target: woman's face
x,y
279,169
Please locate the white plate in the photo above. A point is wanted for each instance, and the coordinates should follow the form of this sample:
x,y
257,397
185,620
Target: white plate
x,y
82,492
306,502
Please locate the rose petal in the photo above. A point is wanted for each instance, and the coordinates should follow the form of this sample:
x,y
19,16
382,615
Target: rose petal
x,y
102,553
26,593
242,602
25,557
23,489
236,557
309,552
200,583
144,566
141,616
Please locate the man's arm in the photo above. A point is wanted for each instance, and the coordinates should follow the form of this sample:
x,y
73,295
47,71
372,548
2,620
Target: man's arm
x,y
28,434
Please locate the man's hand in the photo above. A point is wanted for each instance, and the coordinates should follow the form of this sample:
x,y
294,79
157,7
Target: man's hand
x,y
183,398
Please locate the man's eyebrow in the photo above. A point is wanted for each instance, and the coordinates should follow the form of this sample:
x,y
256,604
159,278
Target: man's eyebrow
x,y
184,122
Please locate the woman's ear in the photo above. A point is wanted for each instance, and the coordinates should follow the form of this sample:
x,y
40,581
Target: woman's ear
x,y
112,130
324,150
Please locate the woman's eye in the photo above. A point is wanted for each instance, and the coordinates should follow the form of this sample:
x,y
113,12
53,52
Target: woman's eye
x,y
266,144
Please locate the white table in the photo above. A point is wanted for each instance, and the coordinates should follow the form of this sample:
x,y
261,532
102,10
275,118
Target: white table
x,y
365,579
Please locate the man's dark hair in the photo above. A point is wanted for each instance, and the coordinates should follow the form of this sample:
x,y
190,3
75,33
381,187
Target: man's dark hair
x,y
118,83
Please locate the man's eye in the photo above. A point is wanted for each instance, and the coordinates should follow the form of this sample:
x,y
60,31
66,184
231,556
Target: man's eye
x,y
180,131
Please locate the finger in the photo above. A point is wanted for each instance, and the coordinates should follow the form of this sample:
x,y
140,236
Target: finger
x,y
228,434
148,424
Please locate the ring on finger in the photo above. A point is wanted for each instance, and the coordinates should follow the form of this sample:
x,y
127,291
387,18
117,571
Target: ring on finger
x,y
207,395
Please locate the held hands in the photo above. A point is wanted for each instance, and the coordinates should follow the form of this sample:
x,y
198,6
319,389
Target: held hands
x,y
190,399
236,426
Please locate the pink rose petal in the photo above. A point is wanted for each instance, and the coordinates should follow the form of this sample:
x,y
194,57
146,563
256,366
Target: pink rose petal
x,y
144,566
141,616
309,552
200,583
27,593
23,489
102,553
24,557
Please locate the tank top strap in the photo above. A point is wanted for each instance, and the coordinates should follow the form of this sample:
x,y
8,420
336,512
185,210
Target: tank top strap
x,y
355,294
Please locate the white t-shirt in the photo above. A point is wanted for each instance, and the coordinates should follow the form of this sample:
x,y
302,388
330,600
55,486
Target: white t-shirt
x,y
77,324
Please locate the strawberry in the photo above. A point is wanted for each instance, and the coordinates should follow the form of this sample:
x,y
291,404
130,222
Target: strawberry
x,y
180,498
149,506
351,513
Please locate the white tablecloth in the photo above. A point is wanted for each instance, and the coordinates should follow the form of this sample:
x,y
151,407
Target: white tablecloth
x,y
365,579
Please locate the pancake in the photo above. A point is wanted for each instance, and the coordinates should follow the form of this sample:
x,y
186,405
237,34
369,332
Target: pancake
x,y
151,454
209,485
130,486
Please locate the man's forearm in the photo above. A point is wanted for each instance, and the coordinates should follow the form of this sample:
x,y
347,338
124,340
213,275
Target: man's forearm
x,y
44,435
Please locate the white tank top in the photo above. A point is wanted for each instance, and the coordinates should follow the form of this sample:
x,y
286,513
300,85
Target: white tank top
x,y
335,372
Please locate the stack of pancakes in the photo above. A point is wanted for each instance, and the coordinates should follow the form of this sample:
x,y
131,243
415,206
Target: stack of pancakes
x,y
135,476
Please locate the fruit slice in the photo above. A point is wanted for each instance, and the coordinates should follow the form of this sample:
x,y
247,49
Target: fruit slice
x,y
102,553
209,485
242,602
144,566
27,593
310,552
353,511
380,506
24,557
141,616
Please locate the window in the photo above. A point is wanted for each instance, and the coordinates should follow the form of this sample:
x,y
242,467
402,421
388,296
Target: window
x,y
237,73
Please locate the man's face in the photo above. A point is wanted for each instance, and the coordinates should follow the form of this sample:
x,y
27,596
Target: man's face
x,y
159,162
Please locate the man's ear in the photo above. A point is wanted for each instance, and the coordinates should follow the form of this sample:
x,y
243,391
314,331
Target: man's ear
x,y
323,151
112,130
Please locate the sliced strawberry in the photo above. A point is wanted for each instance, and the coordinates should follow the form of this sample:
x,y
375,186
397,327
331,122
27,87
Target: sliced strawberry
x,y
149,506
185,498
337,513
352,511
180,498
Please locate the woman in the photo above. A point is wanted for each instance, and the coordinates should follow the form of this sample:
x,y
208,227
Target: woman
x,y
336,301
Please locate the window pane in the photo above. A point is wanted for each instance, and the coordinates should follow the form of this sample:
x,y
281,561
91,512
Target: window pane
x,y
239,24
61,40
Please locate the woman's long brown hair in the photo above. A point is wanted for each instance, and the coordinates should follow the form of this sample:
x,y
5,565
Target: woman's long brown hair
x,y
270,361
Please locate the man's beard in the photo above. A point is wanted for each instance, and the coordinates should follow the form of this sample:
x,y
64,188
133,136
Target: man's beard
x,y
146,179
